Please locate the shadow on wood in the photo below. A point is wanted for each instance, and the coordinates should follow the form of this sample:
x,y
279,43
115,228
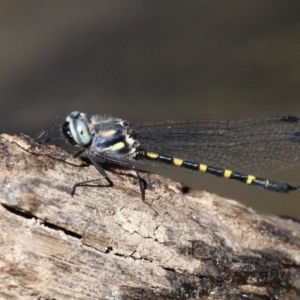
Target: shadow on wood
x,y
106,243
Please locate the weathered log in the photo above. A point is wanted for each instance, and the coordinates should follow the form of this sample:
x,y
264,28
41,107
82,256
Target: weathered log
x,y
105,243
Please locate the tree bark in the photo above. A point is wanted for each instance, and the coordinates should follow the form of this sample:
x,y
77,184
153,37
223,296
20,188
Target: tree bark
x,y
105,243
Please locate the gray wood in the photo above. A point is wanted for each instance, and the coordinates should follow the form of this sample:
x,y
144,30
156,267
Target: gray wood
x,y
105,243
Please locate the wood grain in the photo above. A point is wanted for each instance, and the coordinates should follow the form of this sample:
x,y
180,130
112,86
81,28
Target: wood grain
x,y
105,243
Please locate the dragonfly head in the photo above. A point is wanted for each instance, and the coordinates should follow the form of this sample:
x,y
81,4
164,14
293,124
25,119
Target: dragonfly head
x,y
76,129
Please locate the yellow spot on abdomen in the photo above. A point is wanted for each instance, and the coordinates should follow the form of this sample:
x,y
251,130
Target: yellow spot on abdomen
x,y
152,155
202,168
227,173
267,183
177,161
250,178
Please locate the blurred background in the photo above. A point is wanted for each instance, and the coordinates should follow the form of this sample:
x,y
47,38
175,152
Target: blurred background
x,y
154,60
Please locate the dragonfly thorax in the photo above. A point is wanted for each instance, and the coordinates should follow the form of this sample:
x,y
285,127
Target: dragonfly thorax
x,y
112,136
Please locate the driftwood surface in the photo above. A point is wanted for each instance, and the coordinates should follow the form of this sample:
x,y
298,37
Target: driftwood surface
x,y
105,243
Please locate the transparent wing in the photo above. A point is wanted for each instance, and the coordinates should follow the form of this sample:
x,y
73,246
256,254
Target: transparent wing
x,y
246,145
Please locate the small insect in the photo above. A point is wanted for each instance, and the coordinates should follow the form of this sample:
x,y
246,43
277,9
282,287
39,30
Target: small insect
x,y
217,147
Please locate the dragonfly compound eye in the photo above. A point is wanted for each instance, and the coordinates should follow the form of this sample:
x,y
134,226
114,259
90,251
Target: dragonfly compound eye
x,y
76,129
